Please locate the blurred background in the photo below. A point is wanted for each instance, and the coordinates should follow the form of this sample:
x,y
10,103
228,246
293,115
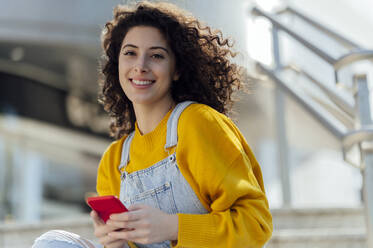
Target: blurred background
x,y
307,118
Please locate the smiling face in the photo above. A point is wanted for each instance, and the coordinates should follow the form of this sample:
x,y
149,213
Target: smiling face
x,y
146,67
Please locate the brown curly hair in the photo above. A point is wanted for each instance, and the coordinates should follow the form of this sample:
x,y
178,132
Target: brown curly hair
x,y
202,60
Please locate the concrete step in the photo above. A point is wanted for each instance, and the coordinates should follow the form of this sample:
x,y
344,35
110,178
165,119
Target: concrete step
x,y
318,228
293,228
318,238
306,218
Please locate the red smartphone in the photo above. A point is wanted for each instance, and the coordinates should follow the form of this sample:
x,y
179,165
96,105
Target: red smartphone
x,y
106,205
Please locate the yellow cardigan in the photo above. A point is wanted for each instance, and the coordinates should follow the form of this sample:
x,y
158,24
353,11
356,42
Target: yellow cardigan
x,y
216,160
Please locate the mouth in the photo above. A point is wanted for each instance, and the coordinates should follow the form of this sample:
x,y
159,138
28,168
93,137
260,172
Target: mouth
x,y
142,82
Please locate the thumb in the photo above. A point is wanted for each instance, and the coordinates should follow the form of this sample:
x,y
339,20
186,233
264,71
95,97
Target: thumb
x,y
96,218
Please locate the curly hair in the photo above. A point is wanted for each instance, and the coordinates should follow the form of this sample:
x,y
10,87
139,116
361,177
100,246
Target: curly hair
x,y
202,60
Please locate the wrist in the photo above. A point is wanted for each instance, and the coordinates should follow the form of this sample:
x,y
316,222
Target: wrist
x,y
173,221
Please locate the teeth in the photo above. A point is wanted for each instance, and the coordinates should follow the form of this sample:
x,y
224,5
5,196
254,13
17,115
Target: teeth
x,y
142,82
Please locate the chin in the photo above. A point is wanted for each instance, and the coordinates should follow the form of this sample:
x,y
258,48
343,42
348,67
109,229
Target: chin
x,y
142,101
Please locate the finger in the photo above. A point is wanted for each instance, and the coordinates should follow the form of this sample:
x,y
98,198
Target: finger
x,y
137,207
103,230
127,216
96,219
117,243
106,240
117,224
130,235
124,224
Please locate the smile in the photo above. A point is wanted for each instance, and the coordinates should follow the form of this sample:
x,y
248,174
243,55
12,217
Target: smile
x,y
142,82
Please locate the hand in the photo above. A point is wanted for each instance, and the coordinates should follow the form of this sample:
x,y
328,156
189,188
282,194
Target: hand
x,y
144,224
101,231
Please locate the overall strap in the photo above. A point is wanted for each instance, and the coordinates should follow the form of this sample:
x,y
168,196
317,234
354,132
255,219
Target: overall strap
x,y
126,151
171,139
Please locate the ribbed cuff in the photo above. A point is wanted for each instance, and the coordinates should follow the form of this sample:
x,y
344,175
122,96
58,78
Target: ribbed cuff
x,y
131,245
196,230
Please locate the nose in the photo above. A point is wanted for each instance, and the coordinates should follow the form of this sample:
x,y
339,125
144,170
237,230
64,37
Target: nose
x,y
141,65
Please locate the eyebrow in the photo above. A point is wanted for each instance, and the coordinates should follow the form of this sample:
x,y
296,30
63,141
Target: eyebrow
x,y
152,48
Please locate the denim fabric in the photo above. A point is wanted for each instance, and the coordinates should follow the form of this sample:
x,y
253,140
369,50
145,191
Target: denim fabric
x,y
161,185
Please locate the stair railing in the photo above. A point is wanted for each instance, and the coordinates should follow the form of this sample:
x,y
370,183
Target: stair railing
x,y
351,123
27,145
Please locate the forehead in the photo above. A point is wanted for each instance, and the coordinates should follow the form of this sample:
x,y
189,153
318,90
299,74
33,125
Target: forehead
x,y
144,36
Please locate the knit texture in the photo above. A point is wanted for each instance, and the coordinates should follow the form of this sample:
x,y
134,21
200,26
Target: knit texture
x,y
217,162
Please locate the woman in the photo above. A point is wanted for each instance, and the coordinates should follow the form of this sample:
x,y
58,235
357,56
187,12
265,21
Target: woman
x,y
182,168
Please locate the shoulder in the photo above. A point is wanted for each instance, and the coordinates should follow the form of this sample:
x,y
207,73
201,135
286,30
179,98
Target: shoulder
x,y
206,128
108,175
204,120
197,114
209,144
114,150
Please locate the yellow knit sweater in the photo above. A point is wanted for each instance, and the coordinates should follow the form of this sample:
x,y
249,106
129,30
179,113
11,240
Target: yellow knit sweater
x,y
215,159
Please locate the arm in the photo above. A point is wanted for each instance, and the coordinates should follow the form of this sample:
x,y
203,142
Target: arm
x,y
239,214
108,177
219,165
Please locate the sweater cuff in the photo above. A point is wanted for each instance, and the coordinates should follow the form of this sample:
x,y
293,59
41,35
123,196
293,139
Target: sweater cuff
x,y
131,245
195,230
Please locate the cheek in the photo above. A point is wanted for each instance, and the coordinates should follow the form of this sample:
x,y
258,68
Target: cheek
x,y
122,75
122,65
123,69
165,70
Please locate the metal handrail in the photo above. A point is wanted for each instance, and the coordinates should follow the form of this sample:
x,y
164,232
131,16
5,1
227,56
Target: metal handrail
x,y
356,55
352,57
27,131
356,136
342,40
329,122
309,45
347,138
346,59
338,101
363,137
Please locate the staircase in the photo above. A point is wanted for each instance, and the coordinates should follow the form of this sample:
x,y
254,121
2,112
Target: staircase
x,y
293,228
318,228
310,65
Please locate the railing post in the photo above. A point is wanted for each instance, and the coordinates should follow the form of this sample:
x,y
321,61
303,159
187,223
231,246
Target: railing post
x,y
364,110
282,144
276,48
3,172
28,185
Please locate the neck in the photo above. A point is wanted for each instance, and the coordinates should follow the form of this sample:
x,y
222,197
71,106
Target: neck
x,y
149,116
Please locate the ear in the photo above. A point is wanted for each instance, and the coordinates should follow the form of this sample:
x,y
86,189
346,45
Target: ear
x,y
176,76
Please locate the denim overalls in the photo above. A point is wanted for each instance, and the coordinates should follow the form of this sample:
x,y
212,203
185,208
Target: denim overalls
x,y
161,185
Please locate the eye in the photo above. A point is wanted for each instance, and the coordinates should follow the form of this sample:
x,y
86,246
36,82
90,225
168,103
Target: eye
x,y
129,53
157,56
